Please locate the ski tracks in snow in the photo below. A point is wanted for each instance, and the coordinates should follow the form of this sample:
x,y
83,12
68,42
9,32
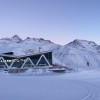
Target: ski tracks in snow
x,y
93,91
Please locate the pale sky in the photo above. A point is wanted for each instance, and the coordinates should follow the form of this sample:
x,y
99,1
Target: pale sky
x,y
60,21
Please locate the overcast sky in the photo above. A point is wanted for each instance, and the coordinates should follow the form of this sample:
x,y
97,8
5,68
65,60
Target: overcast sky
x,y
60,21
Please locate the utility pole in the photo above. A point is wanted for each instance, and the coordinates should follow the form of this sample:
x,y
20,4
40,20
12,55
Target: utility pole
x,y
39,49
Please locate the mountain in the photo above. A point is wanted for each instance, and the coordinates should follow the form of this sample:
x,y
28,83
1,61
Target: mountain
x,y
80,54
15,38
76,54
29,45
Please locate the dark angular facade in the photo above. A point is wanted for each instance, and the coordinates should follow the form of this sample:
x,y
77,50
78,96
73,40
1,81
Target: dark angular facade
x,y
8,60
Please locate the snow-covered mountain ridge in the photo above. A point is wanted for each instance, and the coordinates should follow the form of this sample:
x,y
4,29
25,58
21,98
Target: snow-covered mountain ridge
x,y
78,53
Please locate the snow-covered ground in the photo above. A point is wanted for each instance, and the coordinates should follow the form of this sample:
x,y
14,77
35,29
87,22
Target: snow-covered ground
x,y
68,86
76,54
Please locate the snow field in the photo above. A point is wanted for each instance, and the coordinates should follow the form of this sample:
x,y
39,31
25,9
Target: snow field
x,y
69,86
40,88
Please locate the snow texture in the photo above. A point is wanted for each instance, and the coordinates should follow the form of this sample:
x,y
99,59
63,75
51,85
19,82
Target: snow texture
x,y
68,86
78,54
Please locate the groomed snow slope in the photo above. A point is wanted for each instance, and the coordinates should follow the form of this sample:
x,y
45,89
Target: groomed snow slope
x,y
69,86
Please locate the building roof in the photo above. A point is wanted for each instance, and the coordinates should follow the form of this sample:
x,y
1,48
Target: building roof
x,y
21,56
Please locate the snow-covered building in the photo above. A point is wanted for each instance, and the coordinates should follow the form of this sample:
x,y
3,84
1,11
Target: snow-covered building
x,y
9,60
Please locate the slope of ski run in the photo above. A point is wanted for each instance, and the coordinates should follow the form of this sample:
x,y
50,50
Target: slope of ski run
x,y
89,80
40,88
93,91
69,86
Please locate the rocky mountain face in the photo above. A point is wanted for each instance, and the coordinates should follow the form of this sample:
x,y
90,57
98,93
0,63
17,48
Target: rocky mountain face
x,y
76,54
